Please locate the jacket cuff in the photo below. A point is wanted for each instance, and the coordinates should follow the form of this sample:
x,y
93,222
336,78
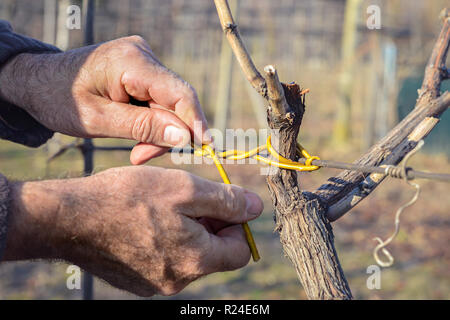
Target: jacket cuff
x,y
15,123
12,44
4,209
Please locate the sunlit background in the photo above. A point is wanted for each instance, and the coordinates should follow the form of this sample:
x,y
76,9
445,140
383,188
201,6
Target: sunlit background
x,y
361,81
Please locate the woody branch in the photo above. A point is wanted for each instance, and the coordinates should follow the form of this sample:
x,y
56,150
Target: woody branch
x,y
305,233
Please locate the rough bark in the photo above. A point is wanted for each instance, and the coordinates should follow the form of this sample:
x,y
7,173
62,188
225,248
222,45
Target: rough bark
x,y
302,218
347,189
305,232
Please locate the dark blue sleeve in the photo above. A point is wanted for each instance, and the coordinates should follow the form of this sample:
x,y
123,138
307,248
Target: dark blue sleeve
x,y
4,204
16,124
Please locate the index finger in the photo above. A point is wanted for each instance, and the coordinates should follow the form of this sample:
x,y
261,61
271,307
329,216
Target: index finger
x,y
229,251
224,202
153,82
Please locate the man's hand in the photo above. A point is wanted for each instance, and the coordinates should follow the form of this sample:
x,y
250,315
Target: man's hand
x,y
85,93
131,228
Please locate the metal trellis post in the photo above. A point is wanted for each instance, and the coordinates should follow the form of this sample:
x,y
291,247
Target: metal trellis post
x,y
87,149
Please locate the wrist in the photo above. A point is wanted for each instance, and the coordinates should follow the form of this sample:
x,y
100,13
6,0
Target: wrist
x,y
42,84
33,219
12,80
29,80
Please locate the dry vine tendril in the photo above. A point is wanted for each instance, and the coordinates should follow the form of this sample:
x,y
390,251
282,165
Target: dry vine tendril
x,y
394,172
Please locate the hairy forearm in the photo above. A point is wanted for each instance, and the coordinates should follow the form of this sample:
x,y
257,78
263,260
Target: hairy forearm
x,y
39,82
32,230
51,220
24,77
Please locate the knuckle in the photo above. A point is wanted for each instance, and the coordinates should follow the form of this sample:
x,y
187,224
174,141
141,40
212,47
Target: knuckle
x,y
190,92
186,273
193,267
131,83
127,179
185,198
172,287
136,38
129,47
189,89
169,290
140,174
142,129
231,200
90,119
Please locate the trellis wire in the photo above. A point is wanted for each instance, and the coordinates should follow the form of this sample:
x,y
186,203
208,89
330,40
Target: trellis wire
x,y
391,171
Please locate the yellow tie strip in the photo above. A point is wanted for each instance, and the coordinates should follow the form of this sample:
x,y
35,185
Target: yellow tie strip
x,y
280,162
226,180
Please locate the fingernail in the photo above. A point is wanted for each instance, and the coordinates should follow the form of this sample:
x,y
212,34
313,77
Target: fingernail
x,y
207,137
254,204
176,137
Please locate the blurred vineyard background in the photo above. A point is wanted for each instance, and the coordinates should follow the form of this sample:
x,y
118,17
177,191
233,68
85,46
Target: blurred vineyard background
x,y
361,83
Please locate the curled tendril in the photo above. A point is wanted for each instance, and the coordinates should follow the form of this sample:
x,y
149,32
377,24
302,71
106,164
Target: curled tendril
x,y
382,244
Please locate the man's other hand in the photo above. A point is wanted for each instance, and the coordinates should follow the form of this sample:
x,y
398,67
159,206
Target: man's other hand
x,y
131,228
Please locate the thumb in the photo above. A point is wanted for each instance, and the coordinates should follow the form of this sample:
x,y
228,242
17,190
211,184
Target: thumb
x,y
154,126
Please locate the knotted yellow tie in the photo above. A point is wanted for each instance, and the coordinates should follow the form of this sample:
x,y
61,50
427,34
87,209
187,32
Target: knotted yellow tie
x,y
280,162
